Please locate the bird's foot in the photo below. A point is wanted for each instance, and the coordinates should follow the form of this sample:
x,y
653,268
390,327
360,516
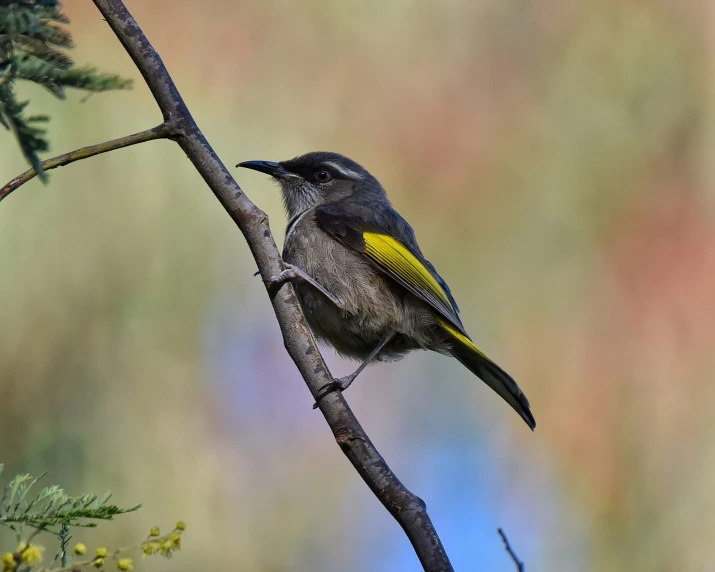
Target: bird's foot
x,y
290,273
339,384
295,273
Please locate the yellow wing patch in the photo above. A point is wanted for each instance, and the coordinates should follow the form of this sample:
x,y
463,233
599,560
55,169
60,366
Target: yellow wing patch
x,y
395,256
460,336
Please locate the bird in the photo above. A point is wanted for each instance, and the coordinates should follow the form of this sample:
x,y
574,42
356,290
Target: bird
x,y
362,281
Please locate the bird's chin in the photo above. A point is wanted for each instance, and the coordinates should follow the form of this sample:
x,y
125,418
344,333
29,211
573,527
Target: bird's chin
x,y
299,198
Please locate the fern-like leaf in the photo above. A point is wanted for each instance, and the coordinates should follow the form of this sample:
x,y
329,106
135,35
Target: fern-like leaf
x,y
52,508
33,48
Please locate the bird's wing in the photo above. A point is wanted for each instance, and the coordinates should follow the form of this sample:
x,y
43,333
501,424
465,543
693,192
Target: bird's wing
x,y
400,262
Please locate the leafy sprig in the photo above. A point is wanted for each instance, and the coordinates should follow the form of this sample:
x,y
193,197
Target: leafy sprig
x,y
51,510
33,47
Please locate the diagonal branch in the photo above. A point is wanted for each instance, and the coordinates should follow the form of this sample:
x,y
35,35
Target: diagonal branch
x,y
409,511
518,563
162,131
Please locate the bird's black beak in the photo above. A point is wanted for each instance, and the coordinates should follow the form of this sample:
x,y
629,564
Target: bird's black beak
x,y
268,167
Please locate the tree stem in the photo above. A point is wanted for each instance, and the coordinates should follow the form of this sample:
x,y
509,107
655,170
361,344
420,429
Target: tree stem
x,y
409,510
162,131
518,563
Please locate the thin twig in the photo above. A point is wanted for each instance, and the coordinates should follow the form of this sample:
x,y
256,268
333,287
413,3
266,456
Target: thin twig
x,y
64,543
162,131
519,564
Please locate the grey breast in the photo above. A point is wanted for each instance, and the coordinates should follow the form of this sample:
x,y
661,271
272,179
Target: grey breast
x,y
369,302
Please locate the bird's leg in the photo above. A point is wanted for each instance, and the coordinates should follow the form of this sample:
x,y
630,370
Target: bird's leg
x,y
342,383
294,273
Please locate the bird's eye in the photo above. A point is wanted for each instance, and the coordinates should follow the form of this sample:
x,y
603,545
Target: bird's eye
x,y
323,176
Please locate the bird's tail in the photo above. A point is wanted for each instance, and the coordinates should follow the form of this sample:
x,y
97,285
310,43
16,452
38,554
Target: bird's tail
x,y
490,373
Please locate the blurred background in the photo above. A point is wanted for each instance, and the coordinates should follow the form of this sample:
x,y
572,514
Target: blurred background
x,y
555,160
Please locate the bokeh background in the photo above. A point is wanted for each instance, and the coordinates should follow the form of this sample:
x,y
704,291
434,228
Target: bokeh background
x,y
556,161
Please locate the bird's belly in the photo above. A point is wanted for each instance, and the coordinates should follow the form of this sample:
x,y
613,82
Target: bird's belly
x,y
352,335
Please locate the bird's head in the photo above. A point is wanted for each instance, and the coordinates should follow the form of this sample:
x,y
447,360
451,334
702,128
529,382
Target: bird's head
x,y
319,178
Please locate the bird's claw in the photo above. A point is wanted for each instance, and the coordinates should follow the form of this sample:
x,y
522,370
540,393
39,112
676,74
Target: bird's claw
x,y
288,274
338,384
295,273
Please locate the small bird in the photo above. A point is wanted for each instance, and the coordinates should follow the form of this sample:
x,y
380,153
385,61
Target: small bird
x,y
362,281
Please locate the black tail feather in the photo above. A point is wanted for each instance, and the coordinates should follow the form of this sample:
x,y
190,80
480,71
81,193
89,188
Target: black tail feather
x,y
495,377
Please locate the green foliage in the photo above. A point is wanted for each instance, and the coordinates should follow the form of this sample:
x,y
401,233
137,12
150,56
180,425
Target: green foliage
x,y
51,510
33,47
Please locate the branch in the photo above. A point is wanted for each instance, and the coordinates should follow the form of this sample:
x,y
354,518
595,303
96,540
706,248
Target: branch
x,y
159,132
518,563
409,511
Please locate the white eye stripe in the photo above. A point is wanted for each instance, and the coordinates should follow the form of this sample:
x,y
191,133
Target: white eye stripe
x,y
345,172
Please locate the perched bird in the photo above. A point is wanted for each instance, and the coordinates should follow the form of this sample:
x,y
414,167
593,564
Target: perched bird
x,y
363,283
